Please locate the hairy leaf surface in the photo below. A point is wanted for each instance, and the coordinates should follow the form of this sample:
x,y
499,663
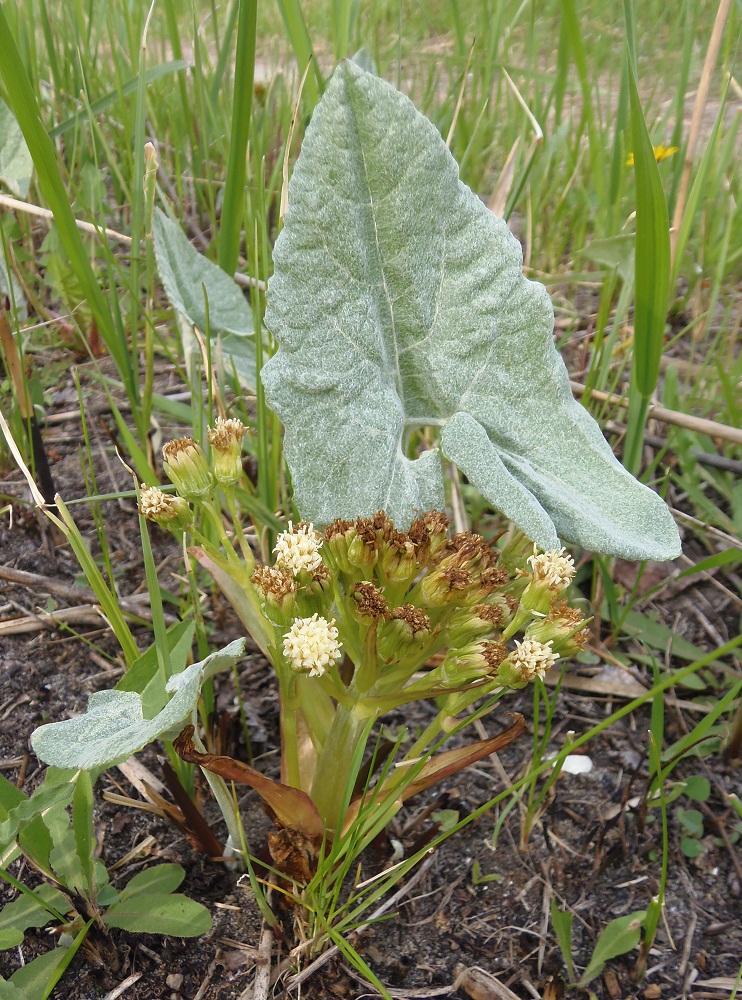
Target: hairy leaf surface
x,y
186,275
398,302
114,726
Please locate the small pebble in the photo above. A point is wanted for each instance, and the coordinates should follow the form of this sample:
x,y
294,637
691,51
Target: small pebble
x,y
652,992
174,981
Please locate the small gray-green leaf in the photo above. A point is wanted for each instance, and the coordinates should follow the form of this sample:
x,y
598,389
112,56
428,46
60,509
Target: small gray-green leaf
x,y
398,302
113,727
619,937
158,913
160,878
33,979
16,165
185,273
29,911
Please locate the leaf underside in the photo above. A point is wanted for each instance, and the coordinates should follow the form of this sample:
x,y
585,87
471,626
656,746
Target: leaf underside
x,y
398,302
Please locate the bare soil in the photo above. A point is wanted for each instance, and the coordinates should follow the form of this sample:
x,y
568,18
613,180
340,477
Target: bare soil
x,y
596,850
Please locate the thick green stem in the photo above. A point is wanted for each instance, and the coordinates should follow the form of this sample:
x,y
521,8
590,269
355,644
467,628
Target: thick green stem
x,y
333,766
290,770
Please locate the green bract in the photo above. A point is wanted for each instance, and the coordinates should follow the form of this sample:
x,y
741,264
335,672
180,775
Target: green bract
x,y
398,302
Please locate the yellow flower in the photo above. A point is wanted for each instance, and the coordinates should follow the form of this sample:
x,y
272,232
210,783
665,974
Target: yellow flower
x,y
660,153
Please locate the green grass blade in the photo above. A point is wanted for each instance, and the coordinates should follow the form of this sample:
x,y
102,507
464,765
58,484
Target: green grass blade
x,y
699,187
651,266
344,13
577,45
234,186
298,34
109,99
108,600
83,826
26,110
224,53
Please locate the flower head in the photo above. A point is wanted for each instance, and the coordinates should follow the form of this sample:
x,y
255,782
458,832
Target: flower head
x,y
168,511
298,548
226,445
187,468
529,660
553,569
311,645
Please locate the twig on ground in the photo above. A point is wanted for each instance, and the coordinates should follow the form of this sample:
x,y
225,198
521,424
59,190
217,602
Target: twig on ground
x,y
138,606
84,614
702,457
674,417
261,985
729,539
123,987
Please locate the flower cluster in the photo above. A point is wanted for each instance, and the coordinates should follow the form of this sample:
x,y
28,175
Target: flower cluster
x,y
435,614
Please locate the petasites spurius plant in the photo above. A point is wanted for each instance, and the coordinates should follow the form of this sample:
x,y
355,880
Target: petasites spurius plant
x,y
398,302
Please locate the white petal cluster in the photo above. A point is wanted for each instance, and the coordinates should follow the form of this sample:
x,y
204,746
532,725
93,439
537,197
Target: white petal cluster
x,y
555,569
533,658
298,549
311,645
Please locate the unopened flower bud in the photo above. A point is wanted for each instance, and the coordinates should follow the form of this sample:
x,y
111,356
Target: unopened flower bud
x,y
471,663
397,561
362,551
406,628
529,660
311,645
338,537
370,601
469,624
319,582
187,468
563,627
429,535
439,587
297,550
226,448
172,512
516,549
276,587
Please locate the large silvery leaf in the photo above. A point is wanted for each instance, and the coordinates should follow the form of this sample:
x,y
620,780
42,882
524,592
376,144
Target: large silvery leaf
x,y
185,273
114,726
16,165
398,302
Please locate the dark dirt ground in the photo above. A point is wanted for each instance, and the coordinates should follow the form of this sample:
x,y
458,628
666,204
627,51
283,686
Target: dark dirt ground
x,y
591,850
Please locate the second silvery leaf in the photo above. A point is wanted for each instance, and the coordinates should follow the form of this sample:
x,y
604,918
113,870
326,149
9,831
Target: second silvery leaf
x,y
190,281
398,302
